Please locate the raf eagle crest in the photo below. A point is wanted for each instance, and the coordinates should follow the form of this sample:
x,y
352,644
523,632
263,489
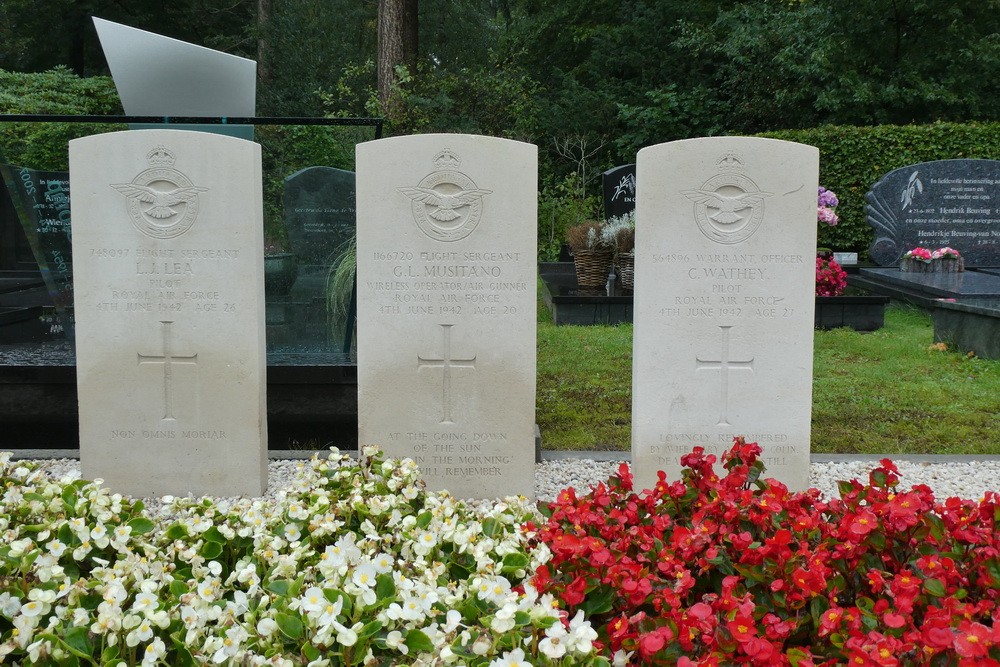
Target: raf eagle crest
x,y
162,202
446,204
729,207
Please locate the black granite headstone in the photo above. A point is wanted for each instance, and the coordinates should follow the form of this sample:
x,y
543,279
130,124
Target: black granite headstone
x,y
952,203
619,190
41,199
319,212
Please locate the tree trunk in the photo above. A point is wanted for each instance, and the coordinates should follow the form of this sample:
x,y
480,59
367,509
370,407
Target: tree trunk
x,y
263,55
397,45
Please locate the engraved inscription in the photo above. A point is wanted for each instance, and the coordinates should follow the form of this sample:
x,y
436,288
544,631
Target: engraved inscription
x,y
168,359
446,363
723,364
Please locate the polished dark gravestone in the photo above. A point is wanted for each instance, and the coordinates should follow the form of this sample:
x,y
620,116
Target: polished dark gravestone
x,y
969,326
619,190
320,213
41,202
320,218
952,203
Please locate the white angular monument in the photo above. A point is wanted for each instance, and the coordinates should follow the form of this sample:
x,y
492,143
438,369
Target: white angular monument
x,y
724,301
446,308
169,303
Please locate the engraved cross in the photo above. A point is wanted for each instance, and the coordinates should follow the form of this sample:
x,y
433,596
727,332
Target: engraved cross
x,y
446,363
168,359
723,365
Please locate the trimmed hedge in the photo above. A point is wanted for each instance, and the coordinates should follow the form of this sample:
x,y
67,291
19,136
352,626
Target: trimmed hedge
x,y
852,159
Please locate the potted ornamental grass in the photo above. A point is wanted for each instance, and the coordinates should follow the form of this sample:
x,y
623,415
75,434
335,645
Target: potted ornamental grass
x,y
592,254
619,233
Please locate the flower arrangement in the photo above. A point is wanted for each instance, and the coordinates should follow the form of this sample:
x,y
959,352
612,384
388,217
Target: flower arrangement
x,y
925,255
588,236
619,232
354,564
925,260
737,570
827,201
831,279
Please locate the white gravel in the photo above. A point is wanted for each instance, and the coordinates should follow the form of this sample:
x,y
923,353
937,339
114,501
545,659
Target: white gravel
x,y
966,479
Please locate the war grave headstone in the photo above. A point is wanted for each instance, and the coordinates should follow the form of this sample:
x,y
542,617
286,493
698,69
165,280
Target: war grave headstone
x,y
619,190
446,308
724,301
945,203
169,289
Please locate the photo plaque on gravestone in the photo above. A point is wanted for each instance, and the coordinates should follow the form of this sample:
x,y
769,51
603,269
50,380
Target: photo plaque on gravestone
x,y
945,203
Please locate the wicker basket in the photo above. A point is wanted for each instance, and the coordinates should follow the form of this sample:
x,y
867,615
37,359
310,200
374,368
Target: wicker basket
x,y
626,270
592,268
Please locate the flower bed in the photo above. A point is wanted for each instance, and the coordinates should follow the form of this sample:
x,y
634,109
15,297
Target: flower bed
x,y
737,570
355,564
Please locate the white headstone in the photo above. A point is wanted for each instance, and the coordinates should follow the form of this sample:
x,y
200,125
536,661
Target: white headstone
x,y
724,301
169,303
446,308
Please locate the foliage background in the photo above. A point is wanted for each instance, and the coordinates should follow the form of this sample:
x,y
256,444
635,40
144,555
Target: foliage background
x,y
589,81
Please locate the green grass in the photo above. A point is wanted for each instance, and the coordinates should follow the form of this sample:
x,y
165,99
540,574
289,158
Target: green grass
x,y
885,392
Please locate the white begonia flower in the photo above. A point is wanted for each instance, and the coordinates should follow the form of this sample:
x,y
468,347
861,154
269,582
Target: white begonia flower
x,y
513,658
312,600
266,627
452,620
99,534
621,658
80,617
154,651
34,609
208,590
503,619
142,633
145,602
293,532
394,640
364,575
347,636
426,540
9,605
482,645
190,617
19,547
235,636
383,563
582,634
554,643
56,548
